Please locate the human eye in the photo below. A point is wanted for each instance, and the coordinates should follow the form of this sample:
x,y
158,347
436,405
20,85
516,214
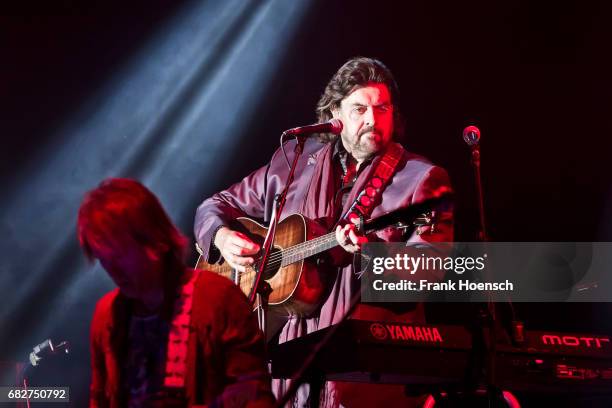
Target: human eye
x,y
359,109
385,108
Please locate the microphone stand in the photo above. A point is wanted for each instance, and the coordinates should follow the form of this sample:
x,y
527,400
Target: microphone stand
x,y
261,289
482,234
488,316
39,352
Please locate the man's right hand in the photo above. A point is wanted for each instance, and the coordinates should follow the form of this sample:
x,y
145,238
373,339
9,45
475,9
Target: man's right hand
x,y
235,247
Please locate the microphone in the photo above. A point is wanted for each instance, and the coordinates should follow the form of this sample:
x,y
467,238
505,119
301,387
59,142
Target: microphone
x,y
332,126
471,136
46,349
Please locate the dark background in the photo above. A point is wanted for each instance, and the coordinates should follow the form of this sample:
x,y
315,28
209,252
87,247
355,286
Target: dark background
x,y
533,76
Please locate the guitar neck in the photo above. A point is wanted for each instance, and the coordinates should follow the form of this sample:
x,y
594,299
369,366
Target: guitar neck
x,y
402,218
309,248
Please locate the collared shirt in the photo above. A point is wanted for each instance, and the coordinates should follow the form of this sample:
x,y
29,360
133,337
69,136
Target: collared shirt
x,y
346,173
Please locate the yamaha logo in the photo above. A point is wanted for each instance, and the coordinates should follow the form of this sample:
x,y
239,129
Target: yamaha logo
x,y
378,331
399,332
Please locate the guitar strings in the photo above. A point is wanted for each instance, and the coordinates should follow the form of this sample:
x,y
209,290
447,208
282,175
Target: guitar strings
x,y
277,258
310,243
288,253
295,248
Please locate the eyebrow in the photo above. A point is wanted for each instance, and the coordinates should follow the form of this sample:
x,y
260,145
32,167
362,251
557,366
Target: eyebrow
x,y
377,105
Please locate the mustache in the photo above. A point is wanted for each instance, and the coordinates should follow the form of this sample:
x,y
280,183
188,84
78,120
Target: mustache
x,y
369,129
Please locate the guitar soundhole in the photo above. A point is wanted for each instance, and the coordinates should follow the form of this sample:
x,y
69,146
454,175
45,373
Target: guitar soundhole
x,y
274,263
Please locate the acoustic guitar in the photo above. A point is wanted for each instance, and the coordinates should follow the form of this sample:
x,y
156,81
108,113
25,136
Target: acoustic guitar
x,y
297,277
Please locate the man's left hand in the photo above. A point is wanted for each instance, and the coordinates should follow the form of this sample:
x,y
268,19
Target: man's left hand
x,y
350,238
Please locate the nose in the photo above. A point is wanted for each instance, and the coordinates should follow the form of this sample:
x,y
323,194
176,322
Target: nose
x,y
370,117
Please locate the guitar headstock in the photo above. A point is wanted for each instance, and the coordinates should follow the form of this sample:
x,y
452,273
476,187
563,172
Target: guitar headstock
x,y
416,216
427,219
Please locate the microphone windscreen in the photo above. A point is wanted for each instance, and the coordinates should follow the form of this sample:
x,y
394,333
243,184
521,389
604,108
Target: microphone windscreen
x,y
336,126
471,135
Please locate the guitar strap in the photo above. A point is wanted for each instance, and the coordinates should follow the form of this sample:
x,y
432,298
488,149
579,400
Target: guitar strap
x,y
370,196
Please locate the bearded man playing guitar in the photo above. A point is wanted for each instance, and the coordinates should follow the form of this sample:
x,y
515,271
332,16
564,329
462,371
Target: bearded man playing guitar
x,y
330,175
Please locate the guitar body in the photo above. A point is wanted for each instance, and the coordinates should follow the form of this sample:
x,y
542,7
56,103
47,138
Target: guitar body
x,y
297,287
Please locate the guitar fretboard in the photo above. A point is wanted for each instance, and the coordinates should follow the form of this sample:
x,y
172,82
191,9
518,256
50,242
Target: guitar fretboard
x,y
303,250
403,218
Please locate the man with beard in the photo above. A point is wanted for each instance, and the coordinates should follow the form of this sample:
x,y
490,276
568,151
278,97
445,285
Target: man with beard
x,y
330,175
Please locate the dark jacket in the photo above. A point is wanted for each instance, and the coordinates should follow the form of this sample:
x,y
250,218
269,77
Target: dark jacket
x,y
225,365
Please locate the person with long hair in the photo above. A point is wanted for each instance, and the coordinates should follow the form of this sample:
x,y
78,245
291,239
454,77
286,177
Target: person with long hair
x,y
167,336
331,173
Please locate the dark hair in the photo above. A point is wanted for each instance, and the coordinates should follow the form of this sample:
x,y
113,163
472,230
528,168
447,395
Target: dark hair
x,y
122,209
357,73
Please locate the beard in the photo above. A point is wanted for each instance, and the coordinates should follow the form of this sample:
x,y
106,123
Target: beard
x,y
366,144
